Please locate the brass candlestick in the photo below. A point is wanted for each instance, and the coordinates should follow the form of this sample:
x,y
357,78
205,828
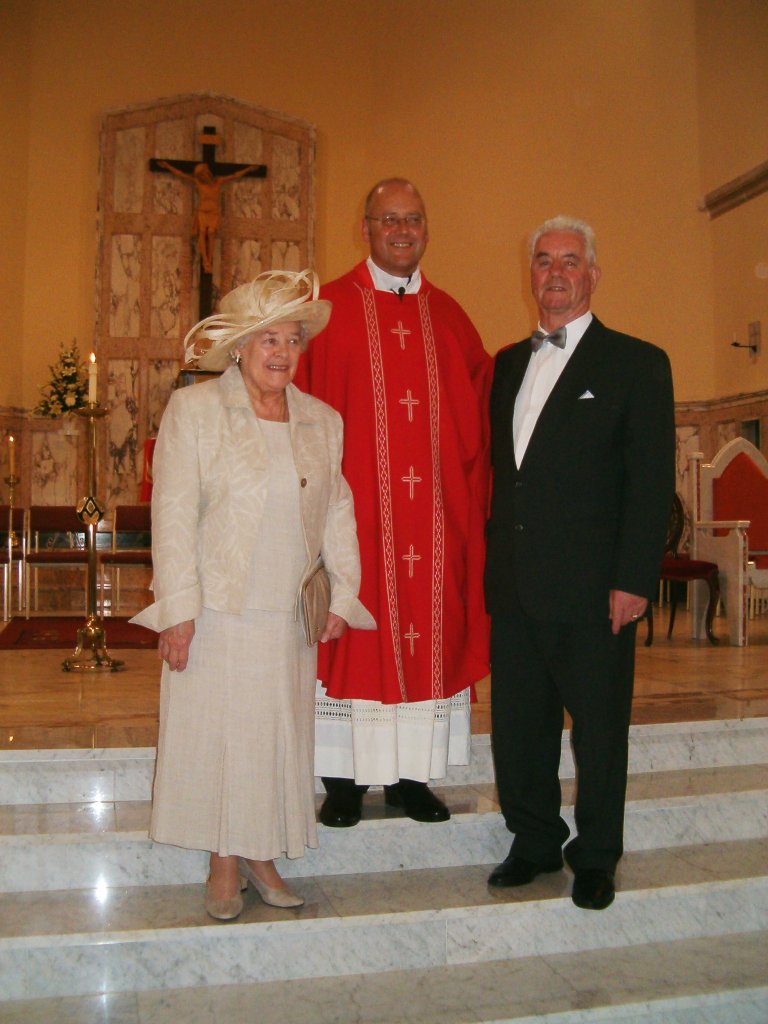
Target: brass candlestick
x,y
12,480
91,654
12,542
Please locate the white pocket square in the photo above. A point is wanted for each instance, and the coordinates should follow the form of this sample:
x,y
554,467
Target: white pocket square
x,y
587,394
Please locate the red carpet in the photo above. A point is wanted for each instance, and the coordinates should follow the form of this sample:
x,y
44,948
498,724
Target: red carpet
x,y
60,633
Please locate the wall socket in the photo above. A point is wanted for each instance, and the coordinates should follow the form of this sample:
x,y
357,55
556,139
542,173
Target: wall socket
x,y
754,336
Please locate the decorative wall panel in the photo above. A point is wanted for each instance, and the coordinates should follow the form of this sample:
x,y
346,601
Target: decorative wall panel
x,y
122,430
53,477
148,273
160,384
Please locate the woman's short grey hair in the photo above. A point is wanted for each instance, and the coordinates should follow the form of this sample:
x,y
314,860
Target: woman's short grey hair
x,y
565,223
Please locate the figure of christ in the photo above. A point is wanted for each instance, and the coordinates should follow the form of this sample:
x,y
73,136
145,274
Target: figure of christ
x,y
207,215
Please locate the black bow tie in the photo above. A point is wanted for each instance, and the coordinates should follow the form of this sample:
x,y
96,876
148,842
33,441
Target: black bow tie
x,y
555,338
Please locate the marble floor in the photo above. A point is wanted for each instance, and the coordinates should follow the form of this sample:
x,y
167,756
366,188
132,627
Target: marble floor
x,y
677,680
684,944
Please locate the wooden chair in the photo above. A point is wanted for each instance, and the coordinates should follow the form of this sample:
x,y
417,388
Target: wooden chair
x,y
12,556
679,568
131,523
54,539
729,503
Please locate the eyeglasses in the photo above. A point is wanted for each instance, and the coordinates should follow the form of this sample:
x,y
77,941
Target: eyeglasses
x,y
391,220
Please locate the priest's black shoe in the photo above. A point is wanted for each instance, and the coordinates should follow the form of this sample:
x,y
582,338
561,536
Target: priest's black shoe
x,y
417,800
519,871
593,889
343,805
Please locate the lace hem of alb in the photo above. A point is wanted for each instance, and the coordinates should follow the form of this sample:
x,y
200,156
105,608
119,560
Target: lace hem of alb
x,y
372,712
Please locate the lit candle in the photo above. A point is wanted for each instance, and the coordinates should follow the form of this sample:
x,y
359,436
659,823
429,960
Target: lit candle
x,y
92,380
11,455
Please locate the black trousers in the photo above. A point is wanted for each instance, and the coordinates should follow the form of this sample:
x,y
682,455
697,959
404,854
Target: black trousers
x,y
538,669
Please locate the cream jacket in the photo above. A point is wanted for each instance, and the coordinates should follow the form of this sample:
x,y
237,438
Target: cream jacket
x,y
210,486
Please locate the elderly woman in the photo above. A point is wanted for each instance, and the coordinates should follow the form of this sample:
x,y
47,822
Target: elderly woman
x,y
248,493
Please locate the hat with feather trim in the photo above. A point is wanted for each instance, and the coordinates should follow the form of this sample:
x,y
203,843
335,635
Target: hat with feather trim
x,y
274,297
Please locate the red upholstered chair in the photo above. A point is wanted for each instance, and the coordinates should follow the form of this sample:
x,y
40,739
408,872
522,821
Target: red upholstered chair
x,y
131,524
730,507
12,556
55,539
677,568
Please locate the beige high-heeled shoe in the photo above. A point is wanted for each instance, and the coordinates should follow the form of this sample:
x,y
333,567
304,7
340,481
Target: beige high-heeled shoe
x,y
225,910
273,897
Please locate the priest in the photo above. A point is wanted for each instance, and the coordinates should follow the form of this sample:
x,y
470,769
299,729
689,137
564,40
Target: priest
x,y
405,367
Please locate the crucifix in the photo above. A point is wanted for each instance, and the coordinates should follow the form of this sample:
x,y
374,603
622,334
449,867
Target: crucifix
x,y
207,175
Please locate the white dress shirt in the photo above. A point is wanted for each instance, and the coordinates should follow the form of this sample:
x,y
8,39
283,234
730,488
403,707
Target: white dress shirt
x,y
544,369
384,282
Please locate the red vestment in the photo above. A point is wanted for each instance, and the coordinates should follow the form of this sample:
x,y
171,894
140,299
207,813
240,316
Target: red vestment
x,y
410,378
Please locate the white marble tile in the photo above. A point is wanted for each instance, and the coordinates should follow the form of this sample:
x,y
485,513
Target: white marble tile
x,y
74,776
670,746
672,983
686,782
666,973
52,819
719,1008
682,820
88,862
219,954
439,996
152,939
109,1008
77,775
104,843
407,891
673,913
395,843
129,913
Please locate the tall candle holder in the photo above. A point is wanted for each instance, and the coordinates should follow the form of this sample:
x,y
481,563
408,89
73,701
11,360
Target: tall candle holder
x,y
12,480
91,654
12,542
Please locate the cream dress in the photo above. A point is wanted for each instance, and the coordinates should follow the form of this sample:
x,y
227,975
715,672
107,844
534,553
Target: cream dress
x,y
236,746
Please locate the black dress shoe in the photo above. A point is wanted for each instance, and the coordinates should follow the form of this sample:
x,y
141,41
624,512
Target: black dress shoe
x,y
593,889
519,871
343,806
417,800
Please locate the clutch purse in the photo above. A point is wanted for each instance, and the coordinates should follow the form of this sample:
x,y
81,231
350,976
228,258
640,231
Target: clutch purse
x,y
315,603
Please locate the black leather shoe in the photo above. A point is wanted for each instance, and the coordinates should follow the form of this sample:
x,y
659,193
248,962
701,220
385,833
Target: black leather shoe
x,y
519,871
417,800
343,806
593,889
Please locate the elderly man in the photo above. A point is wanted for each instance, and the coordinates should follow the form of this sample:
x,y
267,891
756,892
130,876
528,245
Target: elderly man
x,y
583,442
402,363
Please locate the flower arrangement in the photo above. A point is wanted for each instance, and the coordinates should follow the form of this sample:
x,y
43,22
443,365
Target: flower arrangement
x,y
68,388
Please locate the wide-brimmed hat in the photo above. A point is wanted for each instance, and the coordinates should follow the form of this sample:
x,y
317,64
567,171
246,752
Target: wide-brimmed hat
x,y
274,297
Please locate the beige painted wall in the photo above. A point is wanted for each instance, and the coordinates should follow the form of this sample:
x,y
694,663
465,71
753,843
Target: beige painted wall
x,y
732,44
503,112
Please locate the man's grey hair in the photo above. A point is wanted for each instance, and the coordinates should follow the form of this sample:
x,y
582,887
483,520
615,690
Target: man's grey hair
x,y
565,223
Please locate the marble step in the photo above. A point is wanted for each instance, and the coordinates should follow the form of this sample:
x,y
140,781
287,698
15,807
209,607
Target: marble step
x,y
80,846
717,980
140,939
70,776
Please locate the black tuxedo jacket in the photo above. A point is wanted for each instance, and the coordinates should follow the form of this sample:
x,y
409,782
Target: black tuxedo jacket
x,y
587,510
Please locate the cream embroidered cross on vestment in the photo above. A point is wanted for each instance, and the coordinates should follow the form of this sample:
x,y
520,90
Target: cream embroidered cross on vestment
x,y
410,401
401,332
410,636
411,479
410,558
